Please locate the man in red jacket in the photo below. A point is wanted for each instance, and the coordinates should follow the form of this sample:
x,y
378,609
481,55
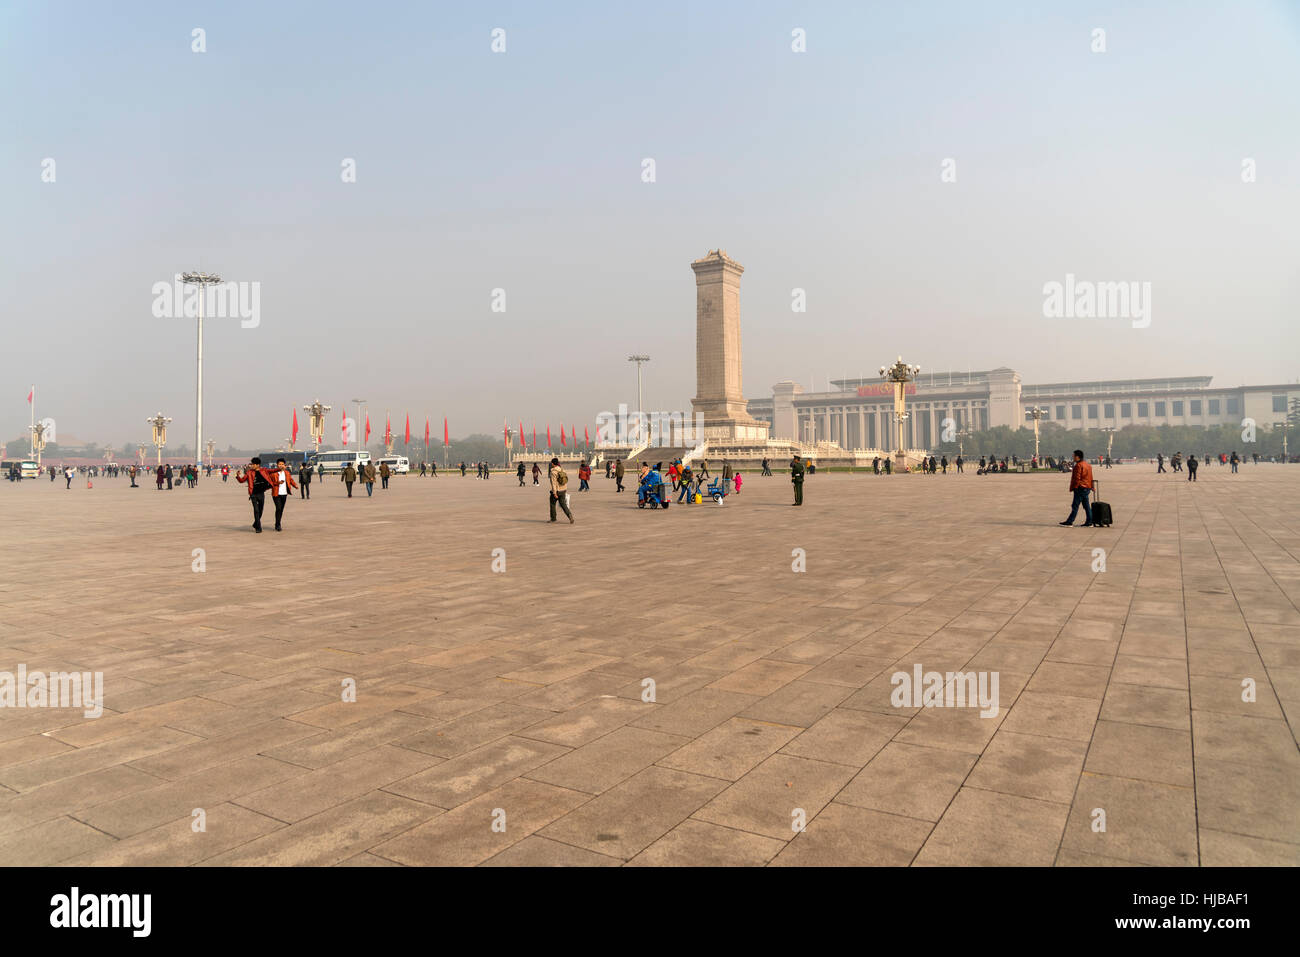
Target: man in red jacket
x,y
1081,486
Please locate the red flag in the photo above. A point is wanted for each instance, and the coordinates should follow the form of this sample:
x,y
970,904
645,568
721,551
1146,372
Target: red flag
x,y
446,436
574,430
426,431
344,430
548,435
408,429
523,442
586,436
30,394
562,441
294,440
388,428
534,436
367,425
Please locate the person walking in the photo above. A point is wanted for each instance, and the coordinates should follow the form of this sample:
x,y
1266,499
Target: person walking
x,y
160,476
537,474
520,472
257,480
960,462
559,490
618,475
168,475
736,479
767,467
68,473
796,479
348,477
943,463
304,480
1160,462
368,476
584,477
704,470
1080,487
1235,462
608,467
433,469
281,483
1191,467
131,474
384,473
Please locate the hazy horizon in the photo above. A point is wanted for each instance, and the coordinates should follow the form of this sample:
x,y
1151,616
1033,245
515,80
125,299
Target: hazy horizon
x,y
522,170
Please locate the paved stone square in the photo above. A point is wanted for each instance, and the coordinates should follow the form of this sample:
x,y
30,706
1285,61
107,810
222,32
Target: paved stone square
x,y
499,715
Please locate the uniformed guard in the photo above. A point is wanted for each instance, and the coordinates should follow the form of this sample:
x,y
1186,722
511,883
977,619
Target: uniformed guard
x,y
796,479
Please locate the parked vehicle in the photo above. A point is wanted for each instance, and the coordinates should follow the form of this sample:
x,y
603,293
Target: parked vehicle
x,y
399,464
337,460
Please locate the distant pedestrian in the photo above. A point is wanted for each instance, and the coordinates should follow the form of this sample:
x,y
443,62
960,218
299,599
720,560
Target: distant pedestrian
x,y
959,465
384,473
348,477
736,479
1235,461
1191,467
68,473
368,476
796,479
537,474
304,480
520,472
618,475
1160,462
584,477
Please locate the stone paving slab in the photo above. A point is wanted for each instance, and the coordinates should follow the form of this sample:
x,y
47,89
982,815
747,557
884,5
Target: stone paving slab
x,y
654,688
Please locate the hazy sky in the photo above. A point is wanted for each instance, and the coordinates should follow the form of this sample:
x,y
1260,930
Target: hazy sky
x,y
522,171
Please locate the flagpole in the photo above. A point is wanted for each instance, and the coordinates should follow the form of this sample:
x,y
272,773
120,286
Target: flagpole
x,y
31,431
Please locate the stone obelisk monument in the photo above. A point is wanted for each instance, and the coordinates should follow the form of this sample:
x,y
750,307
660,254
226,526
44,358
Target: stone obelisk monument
x,y
719,399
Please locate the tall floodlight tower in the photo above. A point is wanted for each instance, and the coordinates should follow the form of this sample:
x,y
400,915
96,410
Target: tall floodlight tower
x,y
203,280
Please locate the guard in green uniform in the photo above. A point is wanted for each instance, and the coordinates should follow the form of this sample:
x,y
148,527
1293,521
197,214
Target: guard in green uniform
x,y
796,478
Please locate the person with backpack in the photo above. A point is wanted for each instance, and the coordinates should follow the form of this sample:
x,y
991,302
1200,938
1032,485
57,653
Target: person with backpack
x,y
559,490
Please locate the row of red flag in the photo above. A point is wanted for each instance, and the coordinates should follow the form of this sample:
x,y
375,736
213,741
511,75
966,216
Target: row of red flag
x,y
446,432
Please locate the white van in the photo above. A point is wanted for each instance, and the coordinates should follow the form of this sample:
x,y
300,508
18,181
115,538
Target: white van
x,y
398,464
336,461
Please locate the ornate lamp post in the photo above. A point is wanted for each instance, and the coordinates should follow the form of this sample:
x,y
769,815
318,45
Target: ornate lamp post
x,y
962,435
900,373
139,453
108,454
38,441
159,425
1036,413
202,280
1285,427
316,422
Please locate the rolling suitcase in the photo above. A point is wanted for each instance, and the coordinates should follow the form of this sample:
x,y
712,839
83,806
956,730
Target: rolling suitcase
x,y
1100,510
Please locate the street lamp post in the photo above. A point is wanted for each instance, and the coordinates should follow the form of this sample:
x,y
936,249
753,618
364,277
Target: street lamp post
x,y
361,442
963,434
1036,413
212,450
900,373
202,280
159,424
640,360
38,441
1110,440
